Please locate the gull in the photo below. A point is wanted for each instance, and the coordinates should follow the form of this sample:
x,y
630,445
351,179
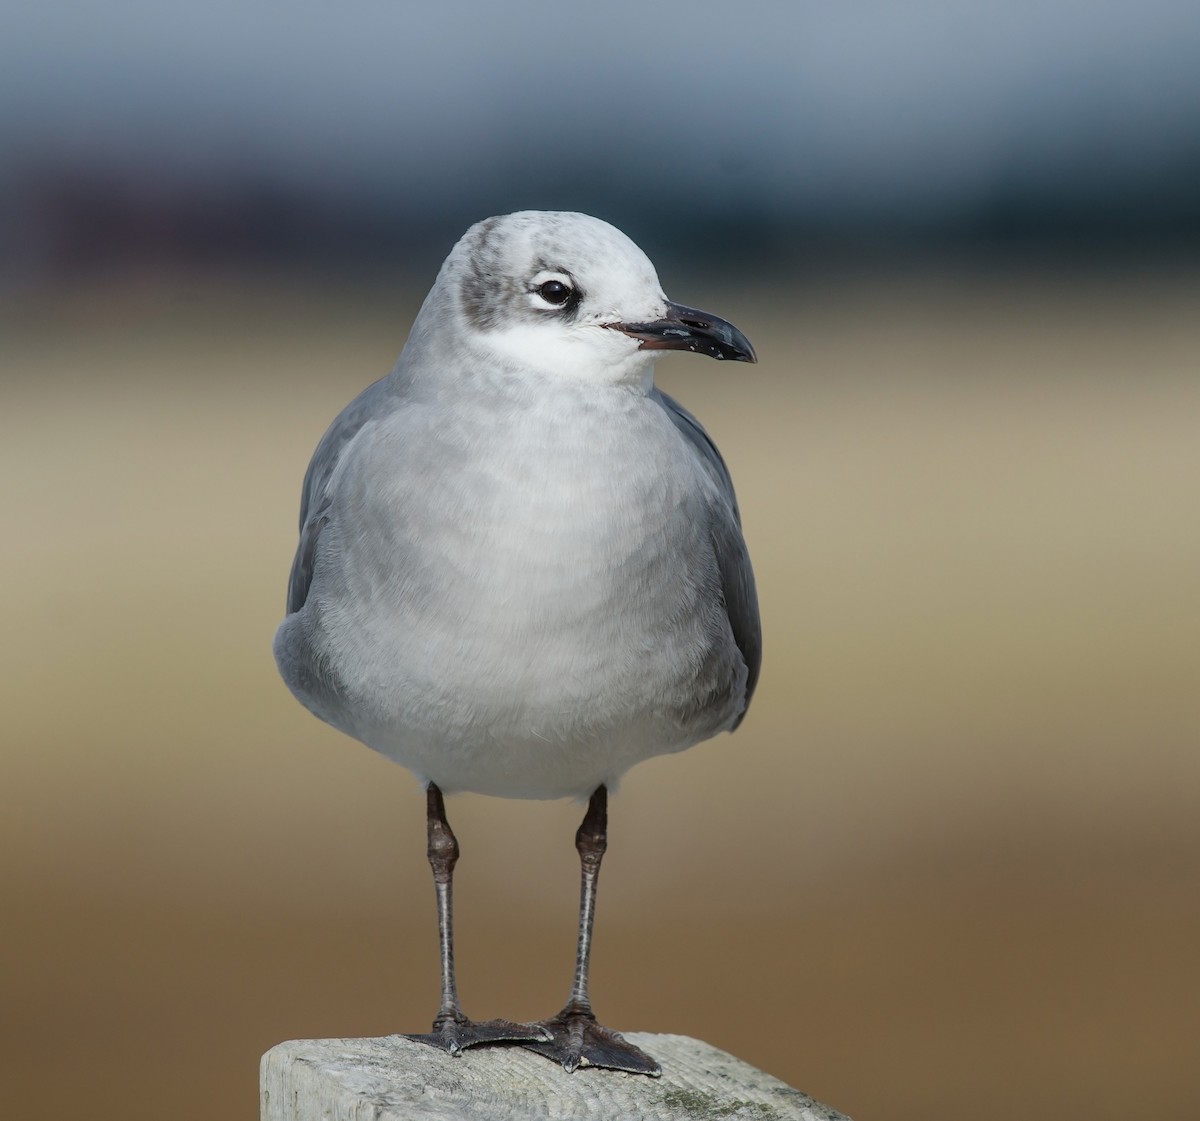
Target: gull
x,y
521,567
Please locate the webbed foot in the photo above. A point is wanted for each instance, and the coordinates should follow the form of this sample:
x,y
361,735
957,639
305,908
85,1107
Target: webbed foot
x,y
454,1033
578,1041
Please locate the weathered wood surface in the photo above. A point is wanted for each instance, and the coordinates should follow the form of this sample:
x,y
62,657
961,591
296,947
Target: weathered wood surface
x,y
395,1079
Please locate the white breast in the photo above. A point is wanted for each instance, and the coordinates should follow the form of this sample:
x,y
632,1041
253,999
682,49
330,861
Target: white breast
x,y
521,621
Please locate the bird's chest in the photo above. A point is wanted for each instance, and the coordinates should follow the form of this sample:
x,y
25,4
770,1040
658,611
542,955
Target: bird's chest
x,y
537,553
567,527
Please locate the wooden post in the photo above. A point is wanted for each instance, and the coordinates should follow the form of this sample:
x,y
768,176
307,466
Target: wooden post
x,y
395,1079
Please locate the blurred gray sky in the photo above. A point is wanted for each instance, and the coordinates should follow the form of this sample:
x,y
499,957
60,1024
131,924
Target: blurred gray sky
x,y
918,115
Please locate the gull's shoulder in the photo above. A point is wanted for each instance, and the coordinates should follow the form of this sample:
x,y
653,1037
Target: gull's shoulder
x,y
374,402
702,445
733,558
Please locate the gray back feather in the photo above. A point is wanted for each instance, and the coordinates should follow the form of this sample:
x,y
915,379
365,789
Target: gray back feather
x,y
314,498
733,559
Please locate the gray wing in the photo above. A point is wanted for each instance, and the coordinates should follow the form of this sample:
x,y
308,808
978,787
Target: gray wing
x,y
733,559
314,499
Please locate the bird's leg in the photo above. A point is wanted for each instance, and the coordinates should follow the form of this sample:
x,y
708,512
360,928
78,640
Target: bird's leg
x,y
452,1030
578,1039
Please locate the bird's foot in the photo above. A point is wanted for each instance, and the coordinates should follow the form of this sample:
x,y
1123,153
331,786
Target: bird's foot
x,y
456,1033
581,1042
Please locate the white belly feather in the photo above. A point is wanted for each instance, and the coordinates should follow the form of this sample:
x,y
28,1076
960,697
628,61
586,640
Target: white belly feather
x,y
525,621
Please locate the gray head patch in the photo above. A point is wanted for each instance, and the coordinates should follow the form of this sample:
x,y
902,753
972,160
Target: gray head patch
x,y
493,286
483,289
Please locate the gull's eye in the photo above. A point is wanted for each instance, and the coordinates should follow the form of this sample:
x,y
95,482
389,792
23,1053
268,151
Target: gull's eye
x,y
554,291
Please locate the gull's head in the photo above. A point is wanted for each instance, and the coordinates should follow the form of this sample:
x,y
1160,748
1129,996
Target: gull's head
x,y
570,296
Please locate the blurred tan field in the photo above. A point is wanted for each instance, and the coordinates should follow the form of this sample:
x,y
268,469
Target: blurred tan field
x,y
948,868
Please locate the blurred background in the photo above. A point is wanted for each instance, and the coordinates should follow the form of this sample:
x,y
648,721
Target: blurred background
x,y
948,867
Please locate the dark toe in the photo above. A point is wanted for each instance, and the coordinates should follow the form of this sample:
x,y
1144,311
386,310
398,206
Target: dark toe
x,y
455,1035
578,1041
